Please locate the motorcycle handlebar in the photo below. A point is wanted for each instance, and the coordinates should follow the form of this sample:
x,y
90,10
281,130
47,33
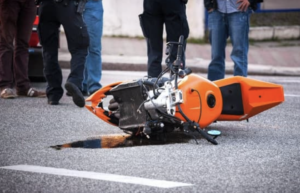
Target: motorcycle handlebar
x,y
179,50
207,137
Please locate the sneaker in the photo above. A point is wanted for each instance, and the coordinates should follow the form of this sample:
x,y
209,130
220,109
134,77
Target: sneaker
x,y
32,92
76,94
8,93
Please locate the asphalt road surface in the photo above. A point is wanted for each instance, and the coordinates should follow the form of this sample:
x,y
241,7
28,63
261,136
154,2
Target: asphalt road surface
x,y
262,155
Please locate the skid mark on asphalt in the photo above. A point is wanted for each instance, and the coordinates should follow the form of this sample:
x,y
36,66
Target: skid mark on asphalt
x,y
97,176
115,141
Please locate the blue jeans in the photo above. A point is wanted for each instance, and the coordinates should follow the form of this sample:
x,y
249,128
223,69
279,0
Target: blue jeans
x,y
93,17
221,26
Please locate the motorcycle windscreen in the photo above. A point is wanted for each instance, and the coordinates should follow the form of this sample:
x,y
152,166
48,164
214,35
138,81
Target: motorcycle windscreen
x,y
245,97
96,105
129,97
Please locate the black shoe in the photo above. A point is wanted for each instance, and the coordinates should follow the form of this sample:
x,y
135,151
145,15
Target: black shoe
x,y
83,93
76,94
53,102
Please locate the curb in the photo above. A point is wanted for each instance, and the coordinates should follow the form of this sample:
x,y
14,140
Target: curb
x,y
198,65
274,33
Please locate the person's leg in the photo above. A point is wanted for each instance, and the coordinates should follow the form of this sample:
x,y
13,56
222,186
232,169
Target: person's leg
x,y
93,17
218,36
78,42
238,31
9,11
24,27
152,24
77,39
48,30
176,25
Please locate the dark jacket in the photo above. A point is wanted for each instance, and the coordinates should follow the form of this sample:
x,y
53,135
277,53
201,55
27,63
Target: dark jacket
x,y
209,4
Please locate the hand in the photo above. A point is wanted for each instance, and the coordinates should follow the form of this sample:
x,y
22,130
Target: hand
x,y
210,10
244,4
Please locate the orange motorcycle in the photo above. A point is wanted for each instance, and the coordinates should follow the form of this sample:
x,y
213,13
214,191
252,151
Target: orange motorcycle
x,y
184,100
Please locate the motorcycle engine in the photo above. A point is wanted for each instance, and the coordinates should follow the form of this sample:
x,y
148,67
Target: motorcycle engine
x,y
146,104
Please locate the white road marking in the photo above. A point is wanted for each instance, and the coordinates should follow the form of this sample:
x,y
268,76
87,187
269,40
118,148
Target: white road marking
x,y
277,80
291,95
97,176
289,81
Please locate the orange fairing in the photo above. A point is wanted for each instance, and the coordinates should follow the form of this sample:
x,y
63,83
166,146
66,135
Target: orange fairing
x,y
196,107
97,109
256,96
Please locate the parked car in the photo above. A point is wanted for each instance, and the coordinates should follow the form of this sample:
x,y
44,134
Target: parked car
x,y
35,63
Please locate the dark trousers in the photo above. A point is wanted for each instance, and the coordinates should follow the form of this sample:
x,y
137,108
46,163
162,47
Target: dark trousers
x,y
156,13
16,20
52,15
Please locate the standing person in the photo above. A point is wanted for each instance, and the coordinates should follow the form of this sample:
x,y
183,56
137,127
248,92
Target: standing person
x,y
53,14
156,13
93,17
16,20
229,18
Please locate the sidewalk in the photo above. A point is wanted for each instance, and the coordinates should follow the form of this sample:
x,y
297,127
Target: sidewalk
x,y
265,58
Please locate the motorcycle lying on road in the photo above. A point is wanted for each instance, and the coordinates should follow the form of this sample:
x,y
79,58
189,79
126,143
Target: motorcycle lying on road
x,y
183,100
